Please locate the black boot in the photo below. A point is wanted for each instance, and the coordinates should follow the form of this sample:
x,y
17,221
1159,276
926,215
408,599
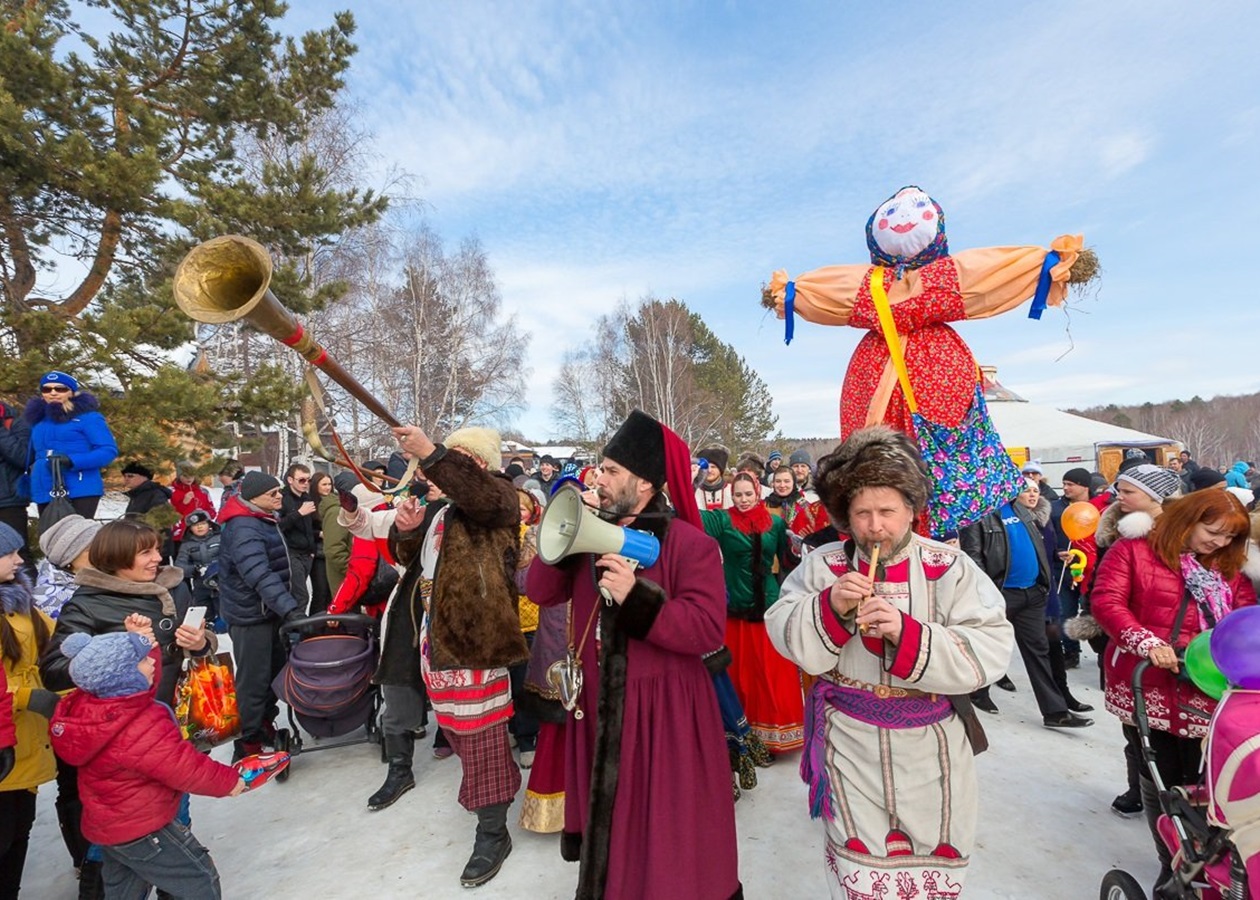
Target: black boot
x,y
491,847
1151,807
399,751
91,883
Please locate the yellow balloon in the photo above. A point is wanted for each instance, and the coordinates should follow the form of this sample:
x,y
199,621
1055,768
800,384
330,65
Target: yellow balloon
x,y
1079,520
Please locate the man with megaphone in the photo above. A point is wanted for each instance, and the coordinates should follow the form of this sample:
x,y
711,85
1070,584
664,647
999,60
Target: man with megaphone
x,y
648,804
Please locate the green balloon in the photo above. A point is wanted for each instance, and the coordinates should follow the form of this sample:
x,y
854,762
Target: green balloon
x,y
1202,668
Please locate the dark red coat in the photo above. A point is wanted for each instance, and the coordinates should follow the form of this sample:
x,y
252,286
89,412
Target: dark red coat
x,y
133,764
1135,599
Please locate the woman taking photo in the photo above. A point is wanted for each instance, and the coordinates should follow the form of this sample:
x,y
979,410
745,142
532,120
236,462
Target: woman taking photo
x,y
126,577
1152,595
768,686
66,428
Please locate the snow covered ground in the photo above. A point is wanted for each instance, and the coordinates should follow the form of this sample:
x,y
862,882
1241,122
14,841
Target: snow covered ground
x,y
1046,830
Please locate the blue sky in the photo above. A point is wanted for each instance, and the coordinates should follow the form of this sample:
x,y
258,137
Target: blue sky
x,y
604,151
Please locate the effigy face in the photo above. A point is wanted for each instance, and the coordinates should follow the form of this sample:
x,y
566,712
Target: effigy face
x,y
906,224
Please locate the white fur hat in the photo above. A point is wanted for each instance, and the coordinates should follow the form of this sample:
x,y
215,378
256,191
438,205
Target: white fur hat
x,y
482,443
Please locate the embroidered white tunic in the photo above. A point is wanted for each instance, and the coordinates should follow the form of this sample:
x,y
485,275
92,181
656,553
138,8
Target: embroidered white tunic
x,y
904,798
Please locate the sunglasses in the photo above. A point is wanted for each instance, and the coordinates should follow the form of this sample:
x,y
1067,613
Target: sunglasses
x,y
274,492
54,389
301,481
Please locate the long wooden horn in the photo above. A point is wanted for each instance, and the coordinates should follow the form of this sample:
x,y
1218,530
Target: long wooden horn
x,y
228,278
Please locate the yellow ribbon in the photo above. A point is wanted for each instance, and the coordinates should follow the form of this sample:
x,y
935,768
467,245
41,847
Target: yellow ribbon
x,y
891,337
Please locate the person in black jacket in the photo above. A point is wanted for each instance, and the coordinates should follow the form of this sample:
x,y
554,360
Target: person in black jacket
x,y
297,524
1008,546
255,599
15,491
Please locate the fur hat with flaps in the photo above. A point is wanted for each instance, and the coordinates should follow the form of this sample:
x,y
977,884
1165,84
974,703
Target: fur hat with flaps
x,y
878,456
483,443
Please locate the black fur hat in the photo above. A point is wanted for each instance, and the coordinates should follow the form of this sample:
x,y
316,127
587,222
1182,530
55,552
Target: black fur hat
x,y
878,456
716,455
639,445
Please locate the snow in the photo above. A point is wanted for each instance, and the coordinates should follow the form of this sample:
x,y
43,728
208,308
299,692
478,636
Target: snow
x,y
1046,830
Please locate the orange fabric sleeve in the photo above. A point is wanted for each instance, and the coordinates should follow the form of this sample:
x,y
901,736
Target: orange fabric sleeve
x,y
824,296
994,280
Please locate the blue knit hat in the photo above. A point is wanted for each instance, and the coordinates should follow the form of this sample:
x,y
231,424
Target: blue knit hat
x,y
61,378
105,666
774,454
10,540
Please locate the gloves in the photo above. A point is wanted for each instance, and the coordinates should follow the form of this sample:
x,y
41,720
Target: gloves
x,y
42,702
7,758
62,460
349,502
292,616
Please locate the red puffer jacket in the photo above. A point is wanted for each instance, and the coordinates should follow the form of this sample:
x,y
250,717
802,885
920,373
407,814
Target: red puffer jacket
x,y
1135,599
133,764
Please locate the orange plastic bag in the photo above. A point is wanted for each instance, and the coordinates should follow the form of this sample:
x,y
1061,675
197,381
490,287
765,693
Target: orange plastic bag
x,y
205,702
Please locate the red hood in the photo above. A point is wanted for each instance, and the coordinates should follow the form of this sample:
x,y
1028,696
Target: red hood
x,y
236,507
83,725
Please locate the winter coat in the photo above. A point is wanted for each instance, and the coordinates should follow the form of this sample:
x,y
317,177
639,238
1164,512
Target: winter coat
x,y
15,448
1237,476
101,606
1135,599
254,575
298,530
35,764
746,598
986,543
133,764
336,542
473,623
81,435
186,498
53,587
146,497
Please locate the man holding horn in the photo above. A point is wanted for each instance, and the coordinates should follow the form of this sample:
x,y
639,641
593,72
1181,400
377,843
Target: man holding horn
x,y
899,630
648,805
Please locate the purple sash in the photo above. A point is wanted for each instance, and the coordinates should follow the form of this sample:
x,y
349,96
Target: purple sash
x,y
891,712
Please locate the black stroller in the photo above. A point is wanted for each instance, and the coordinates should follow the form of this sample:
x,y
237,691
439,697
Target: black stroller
x,y
1206,864
327,682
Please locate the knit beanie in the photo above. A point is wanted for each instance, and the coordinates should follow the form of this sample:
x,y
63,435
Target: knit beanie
x,y
105,665
800,457
255,484
1205,477
10,540
1157,483
67,538
1032,467
60,378
774,454
1077,476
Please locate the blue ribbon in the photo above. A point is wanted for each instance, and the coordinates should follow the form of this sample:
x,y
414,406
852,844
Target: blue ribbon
x,y
789,300
1043,285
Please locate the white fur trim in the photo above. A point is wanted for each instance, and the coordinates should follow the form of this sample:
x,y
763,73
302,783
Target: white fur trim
x,y
1135,525
1251,568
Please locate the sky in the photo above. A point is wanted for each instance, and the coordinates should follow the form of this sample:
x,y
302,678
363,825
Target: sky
x,y
608,151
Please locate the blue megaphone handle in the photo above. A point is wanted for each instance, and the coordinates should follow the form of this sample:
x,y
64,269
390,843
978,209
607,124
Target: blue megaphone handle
x,y
640,546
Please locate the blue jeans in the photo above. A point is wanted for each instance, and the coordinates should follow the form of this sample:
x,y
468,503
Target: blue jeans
x,y
170,859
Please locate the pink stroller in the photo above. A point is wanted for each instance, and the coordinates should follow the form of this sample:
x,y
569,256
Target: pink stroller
x,y
1212,829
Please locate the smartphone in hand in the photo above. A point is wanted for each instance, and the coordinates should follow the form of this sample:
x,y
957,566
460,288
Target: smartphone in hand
x,y
195,617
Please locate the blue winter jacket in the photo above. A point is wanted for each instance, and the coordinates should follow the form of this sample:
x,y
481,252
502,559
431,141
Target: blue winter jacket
x,y
1237,476
81,435
253,567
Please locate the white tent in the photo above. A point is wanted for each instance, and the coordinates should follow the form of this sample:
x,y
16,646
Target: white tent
x,y
1063,441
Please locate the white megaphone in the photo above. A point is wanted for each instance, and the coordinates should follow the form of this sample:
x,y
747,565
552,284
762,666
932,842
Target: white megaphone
x,y
569,526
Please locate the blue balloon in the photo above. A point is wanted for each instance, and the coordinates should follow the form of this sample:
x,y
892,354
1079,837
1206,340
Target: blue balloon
x,y
1235,640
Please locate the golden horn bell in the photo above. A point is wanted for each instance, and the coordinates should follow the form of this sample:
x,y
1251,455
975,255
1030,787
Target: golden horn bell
x,y
228,278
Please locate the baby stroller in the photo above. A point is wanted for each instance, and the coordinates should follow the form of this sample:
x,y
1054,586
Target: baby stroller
x,y
1206,863
327,682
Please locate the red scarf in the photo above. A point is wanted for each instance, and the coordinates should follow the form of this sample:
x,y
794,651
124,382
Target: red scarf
x,y
755,521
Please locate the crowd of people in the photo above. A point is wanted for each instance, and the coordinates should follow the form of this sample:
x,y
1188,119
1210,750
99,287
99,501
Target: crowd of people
x,y
794,610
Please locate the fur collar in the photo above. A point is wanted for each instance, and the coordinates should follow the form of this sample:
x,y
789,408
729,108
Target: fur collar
x,y
15,595
37,410
1113,525
1041,514
655,517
